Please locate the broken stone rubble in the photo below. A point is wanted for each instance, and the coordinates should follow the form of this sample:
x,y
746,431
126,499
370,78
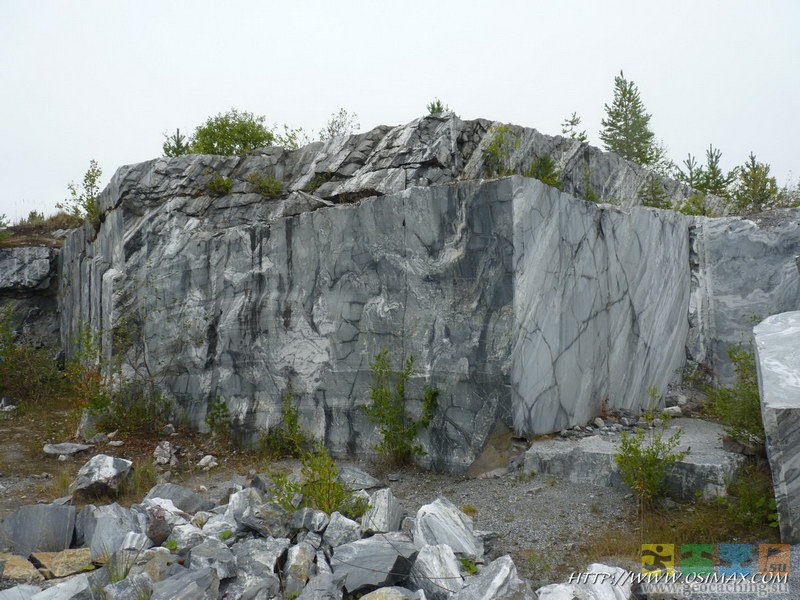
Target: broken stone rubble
x,y
324,557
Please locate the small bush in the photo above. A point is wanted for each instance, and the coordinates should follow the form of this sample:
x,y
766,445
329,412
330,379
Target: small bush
x,y
470,568
218,417
319,486
588,191
231,133
318,180
136,408
435,107
82,203
219,185
739,407
544,169
267,186
287,439
751,498
387,409
469,510
694,205
654,195
28,375
644,458
497,153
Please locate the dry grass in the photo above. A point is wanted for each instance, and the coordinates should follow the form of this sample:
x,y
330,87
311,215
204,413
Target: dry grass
x,y
37,231
693,523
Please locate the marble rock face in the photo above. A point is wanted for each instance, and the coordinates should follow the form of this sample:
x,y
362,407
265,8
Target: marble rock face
x,y
777,342
521,303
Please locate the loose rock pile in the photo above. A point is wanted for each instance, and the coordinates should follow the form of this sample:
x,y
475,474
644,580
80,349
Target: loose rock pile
x,y
176,544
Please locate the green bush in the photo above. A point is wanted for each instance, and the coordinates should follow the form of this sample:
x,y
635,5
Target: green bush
x,y
694,205
231,133
739,407
653,194
644,457
319,486
340,123
218,417
82,202
28,375
288,438
435,107
497,153
751,499
387,409
318,180
544,169
266,185
219,185
588,191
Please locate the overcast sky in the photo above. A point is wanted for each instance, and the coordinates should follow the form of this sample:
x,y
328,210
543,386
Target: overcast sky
x,y
105,79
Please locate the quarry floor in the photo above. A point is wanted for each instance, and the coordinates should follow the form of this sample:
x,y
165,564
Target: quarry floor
x,y
551,527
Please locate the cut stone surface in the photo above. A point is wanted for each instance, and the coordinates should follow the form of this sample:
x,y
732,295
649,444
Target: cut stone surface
x,y
356,479
601,590
105,529
299,567
38,527
25,268
441,522
384,512
133,587
437,571
322,587
190,585
498,581
214,554
18,568
256,564
269,520
102,475
183,498
66,562
392,593
310,520
341,530
20,592
185,537
76,588
66,448
706,469
383,559
777,343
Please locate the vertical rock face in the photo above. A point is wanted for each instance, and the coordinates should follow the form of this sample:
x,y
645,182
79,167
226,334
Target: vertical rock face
x,y
745,270
520,303
600,307
777,341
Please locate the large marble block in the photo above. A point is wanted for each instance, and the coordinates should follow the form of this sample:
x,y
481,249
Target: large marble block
x,y
777,341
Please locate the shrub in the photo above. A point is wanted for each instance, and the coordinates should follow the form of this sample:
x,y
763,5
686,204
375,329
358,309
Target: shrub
x,y
751,498
318,180
470,568
340,123
218,417
387,409
319,486
653,194
219,185
288,438
91,387
588,191
643,458
544,169
739,407
694,205
435,107
267,186
28,375
497,154
82,202
176,144
231,133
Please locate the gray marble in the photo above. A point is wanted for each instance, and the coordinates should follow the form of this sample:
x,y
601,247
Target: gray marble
x,y
777,343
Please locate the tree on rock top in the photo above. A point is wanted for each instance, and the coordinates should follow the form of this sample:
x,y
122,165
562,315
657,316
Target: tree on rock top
x,y
231,133
626,129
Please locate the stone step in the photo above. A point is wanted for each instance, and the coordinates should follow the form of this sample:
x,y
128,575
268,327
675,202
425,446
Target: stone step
x,y
706,469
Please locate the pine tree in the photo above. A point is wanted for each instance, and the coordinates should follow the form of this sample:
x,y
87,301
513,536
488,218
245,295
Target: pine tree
x,y
692,175
712,179
626,130
653,194
569,128
755,190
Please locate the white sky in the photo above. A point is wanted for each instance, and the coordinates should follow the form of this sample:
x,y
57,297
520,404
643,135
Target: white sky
x,y
104,79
